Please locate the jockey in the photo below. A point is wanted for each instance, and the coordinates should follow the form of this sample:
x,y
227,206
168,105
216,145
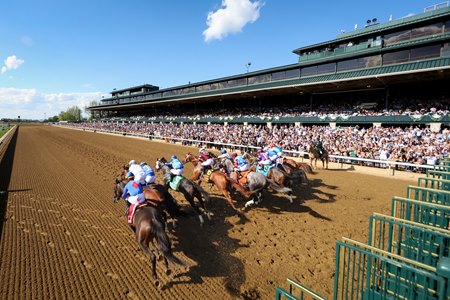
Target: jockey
x,y
150,176
177,167
263,157
138,172
134,194
205,158
224,154
241,164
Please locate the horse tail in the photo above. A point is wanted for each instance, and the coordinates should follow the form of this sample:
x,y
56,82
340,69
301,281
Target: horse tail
x,y
280,189
238,187
202,191
164,242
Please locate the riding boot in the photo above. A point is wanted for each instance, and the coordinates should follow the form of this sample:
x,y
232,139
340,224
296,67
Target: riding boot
x,y
127,208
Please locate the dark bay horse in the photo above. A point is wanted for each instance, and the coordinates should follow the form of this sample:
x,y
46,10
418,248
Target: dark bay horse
x,y
220,180
189,189
314,155
156,196
149,225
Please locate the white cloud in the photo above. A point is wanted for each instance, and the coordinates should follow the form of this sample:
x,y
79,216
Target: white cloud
x,y
30,104
231,18
11,62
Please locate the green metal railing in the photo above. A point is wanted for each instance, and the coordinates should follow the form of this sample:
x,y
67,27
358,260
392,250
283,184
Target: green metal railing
x,y
432,183
419,242
438,174
428,195
296,288
366,272
421,212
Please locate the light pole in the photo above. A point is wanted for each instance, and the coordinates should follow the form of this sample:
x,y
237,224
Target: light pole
x,y
247,65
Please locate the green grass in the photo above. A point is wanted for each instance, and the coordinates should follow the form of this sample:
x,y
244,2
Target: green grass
x,y
3,131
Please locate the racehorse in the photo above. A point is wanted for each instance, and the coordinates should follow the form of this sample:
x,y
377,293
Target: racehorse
x,y
189,189
219,179
314,155
298,165
149,225
257,182
156,196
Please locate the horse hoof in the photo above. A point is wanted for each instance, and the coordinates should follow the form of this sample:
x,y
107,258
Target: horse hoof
x,y
168,272
157,283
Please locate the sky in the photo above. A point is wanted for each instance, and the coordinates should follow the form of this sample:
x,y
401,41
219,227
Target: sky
x,y
56,54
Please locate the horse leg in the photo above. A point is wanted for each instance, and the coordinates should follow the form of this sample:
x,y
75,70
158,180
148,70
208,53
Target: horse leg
x,y
144,247
228,197
190,199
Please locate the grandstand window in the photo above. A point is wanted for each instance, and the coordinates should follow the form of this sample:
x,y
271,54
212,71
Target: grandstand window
x,y
309,71
428,30
395,57
445,50
259,79
396,37
326,68
295,73
278,75
447,26
370,61
425,52
346,65
214,86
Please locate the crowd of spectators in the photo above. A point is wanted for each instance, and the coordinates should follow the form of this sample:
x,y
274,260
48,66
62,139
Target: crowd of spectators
x,y
398,106
412,144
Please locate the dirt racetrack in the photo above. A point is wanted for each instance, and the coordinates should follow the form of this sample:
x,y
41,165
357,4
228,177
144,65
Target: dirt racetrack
x,y
62,237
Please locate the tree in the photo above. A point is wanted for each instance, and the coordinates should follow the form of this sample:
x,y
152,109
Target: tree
x,y
92,114
72,114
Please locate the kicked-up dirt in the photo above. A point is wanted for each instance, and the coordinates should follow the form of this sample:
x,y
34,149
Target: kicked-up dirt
x,y
62,237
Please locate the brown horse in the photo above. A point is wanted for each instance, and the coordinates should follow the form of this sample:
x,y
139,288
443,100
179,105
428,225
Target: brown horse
x,y
156,196
149,225
298,165
220,180
314,155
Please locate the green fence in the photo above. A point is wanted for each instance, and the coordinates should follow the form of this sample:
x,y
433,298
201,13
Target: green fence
x,y
428,195
366,272
433,183
421,212
419,242
296,288
438,174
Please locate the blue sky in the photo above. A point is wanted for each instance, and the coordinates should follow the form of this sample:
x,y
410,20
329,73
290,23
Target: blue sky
x,y
55,54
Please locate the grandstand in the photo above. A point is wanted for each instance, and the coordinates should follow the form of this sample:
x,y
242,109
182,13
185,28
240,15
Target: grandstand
x,y
401,65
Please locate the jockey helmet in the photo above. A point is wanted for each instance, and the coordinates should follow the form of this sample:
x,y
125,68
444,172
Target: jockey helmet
x,y
223,151
132,162
174,157
130,175
266,148
143,163
233,154
202,150
272,145
260,150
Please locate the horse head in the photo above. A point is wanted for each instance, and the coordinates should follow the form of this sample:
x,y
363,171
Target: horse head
x,y
160,162
118,190
190,158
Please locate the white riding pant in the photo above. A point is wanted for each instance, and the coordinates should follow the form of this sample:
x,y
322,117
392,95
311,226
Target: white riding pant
x,y
177,171
208,162
138,199
150,179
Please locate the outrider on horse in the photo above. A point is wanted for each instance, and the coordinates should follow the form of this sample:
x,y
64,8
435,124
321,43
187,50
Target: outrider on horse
x,y
316,153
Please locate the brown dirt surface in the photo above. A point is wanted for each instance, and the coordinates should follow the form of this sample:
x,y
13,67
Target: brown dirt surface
x,y
62,237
